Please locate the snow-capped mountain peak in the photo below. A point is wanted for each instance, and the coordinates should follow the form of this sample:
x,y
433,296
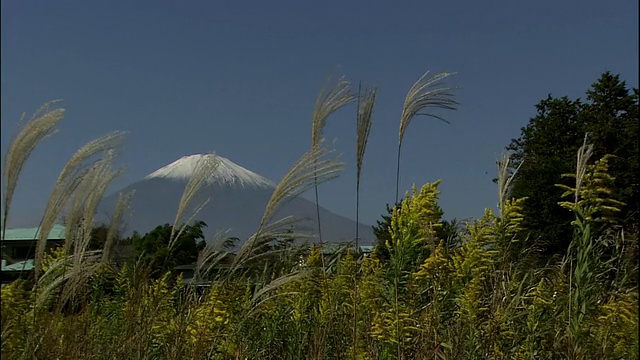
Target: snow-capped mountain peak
x,y
226,173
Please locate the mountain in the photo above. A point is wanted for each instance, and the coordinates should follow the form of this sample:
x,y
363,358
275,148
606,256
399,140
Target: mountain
x,y
238,198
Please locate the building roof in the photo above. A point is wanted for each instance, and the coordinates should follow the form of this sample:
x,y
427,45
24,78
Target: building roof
x,y
332,248
366,248
26,265
56,233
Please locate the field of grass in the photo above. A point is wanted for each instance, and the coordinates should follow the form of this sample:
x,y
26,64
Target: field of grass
x,y
474,294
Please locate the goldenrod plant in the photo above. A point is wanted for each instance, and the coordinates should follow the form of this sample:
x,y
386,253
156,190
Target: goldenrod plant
x,y
592,205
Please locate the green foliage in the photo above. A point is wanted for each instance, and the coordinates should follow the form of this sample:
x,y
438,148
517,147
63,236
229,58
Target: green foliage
x,y
594,210
382,233
447,230
16,298
470,301
546,149
439,290
616,326
594,202
413,226
153,247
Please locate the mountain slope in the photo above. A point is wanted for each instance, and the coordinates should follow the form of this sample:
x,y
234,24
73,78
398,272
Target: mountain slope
x,y
238,199
227,172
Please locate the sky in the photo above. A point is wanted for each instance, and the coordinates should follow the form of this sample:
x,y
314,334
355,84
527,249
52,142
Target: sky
x,y
240,78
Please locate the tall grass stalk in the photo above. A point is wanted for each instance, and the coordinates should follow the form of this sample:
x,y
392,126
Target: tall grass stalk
x,y
592,207
314,167
82,187
66,185
204,169
124,200
83,263
40,126
366,101
426,93
85,201
22,145
583,236
331,98
214,252
504,180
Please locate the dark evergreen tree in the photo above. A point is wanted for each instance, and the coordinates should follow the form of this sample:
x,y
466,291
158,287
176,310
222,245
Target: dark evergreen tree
x,y
382,234
448,232
547,149
611,118
153,247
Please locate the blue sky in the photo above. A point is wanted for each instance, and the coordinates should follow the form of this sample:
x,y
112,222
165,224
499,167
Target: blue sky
x,y
240,78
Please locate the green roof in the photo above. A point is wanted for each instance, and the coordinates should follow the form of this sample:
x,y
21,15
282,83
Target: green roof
x,y
333,248
366,248
56,233
26,265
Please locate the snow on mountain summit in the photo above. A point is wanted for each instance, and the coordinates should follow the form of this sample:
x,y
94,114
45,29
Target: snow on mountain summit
x,y
227,172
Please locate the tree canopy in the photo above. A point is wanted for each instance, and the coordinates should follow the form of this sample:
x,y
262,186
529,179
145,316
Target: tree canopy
x,y
154,249
547,148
